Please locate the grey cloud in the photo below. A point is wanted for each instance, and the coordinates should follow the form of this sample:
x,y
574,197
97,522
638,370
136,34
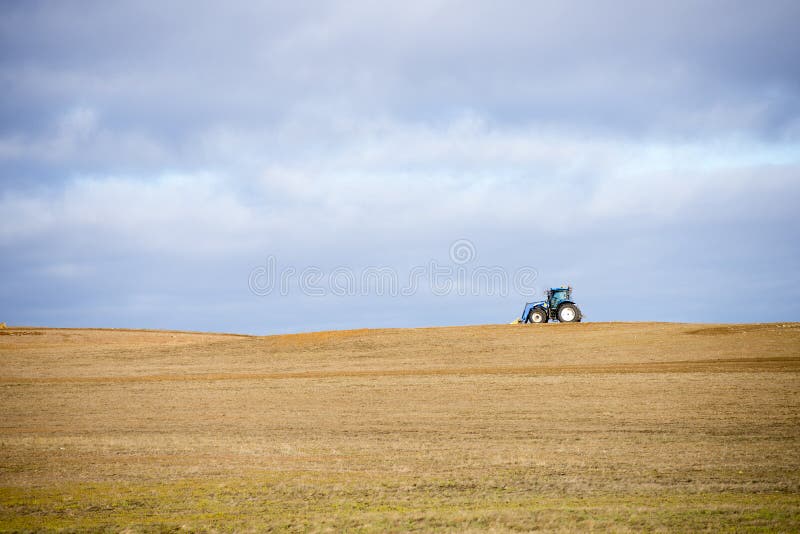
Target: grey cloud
x,y
637,67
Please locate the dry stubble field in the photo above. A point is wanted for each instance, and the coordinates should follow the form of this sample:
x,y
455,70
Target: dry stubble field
x,y
628,426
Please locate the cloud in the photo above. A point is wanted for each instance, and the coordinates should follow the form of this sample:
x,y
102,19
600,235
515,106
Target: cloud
x,y
458,177
151,157
685,67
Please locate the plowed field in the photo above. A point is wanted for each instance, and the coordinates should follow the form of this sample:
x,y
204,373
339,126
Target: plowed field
x,y
627,426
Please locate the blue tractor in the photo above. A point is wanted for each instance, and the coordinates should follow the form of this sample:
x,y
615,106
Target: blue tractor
x,y
557,307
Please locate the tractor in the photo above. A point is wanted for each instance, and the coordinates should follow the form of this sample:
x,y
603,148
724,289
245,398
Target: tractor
x,y
558,307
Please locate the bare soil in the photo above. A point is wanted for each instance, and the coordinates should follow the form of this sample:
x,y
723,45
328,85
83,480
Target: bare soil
x,y
623,426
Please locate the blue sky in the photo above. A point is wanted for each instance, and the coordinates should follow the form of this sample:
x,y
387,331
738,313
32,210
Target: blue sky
x,y
153,157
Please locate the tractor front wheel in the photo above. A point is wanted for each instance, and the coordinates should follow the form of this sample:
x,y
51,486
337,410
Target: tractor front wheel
x,y
537,315
569,313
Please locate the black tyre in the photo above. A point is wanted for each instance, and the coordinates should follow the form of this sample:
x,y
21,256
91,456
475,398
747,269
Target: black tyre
x,y
569,313
537,315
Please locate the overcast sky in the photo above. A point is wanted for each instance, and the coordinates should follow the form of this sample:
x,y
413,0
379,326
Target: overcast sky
x,y
160,161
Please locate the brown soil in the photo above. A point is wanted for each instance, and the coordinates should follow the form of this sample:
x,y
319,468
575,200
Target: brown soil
x,y
593,410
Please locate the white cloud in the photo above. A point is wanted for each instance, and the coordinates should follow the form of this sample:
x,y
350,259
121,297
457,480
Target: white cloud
x,y
174,215
77,137
454,175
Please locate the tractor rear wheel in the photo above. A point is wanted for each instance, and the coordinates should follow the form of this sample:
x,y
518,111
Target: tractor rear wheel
x,y
537,315
569,313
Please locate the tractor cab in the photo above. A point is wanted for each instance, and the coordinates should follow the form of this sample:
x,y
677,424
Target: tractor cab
x,y
557,295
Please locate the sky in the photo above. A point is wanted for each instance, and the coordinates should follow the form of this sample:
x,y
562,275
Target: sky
x,y
268,167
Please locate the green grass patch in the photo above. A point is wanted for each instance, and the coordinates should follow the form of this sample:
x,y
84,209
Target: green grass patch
x,y
356,502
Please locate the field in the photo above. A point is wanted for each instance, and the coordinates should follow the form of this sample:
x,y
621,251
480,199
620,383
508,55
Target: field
x,y
622,426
